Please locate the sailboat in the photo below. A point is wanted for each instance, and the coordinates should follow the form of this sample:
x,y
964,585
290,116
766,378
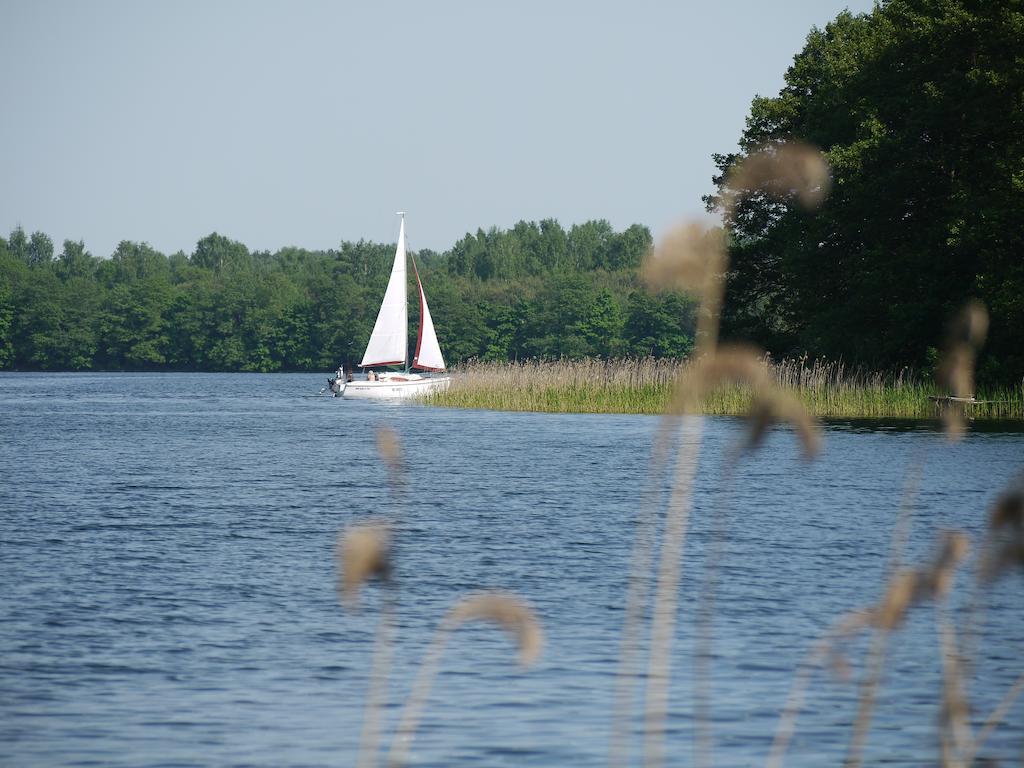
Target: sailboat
x,y
389,342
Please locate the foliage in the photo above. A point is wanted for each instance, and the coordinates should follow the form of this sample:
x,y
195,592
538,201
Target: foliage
x,y
919,106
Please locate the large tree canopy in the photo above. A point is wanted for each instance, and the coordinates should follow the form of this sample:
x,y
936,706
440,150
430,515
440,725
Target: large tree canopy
x,y
919,107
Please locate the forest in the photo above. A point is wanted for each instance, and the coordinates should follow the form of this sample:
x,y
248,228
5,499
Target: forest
x,y
534,291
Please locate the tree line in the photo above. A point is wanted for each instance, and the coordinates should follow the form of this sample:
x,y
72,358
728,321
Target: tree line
x,y
534,291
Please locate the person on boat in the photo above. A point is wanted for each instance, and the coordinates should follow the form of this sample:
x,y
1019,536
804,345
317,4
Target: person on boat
x,y
371,376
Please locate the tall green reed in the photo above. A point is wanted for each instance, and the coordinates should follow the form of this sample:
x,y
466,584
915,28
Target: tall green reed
x,y
827,389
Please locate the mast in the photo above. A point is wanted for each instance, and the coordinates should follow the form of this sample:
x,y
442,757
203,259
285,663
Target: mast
x,y
404,247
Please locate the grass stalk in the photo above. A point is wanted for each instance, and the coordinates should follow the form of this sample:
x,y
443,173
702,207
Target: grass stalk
x,y
868,690
665,600
636,599
377,694
997,715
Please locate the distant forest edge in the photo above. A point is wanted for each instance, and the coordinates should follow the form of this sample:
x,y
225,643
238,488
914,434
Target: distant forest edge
x,y
918,107
534,291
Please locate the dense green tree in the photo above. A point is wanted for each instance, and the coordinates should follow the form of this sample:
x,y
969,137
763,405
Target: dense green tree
x,y
54,326
192,322
558,324
218,253
75,261
460,323
39,320
628,249
659,326
505,335
9,269
589,244
6,326
553,245
17,245
919,106
78,343
133,325
40,250
133,261
603,325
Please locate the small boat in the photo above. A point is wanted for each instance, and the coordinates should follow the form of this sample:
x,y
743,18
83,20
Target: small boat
x,y
389,343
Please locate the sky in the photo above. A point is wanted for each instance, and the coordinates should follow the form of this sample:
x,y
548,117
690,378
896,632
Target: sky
x,y
308,123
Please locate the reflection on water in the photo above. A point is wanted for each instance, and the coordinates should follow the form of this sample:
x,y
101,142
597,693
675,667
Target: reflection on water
x,y
169,581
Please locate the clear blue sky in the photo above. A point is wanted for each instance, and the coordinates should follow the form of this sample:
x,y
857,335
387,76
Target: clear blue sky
x,y
309,123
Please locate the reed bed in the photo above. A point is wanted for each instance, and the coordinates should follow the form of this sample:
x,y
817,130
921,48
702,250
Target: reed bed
x,y
827,389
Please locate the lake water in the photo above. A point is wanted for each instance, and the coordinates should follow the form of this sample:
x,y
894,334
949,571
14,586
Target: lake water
x,y
168,577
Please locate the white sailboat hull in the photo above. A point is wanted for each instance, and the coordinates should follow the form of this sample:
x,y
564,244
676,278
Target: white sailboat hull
x,y
395,389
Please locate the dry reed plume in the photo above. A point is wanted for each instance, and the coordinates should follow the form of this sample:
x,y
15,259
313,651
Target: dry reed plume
x,y
1004,545
904,589
695,257
509,613
792,168
776,406
736,365
747,367
506,611
1002,552
691,257
364,553
390,449
907,588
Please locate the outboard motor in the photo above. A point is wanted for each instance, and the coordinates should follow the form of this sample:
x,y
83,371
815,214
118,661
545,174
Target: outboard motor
x,y
337,384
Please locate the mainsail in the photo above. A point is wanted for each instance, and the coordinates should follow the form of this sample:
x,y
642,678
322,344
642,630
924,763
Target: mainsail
x,y
389,341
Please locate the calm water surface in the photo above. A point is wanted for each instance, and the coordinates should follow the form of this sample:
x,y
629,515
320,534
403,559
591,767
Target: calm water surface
x,y
168,577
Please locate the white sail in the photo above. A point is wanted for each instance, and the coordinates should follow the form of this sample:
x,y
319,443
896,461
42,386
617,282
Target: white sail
x,y
428,351
389,342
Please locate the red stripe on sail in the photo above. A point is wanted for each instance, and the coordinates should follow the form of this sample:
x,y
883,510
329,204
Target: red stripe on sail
x,y
419,332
